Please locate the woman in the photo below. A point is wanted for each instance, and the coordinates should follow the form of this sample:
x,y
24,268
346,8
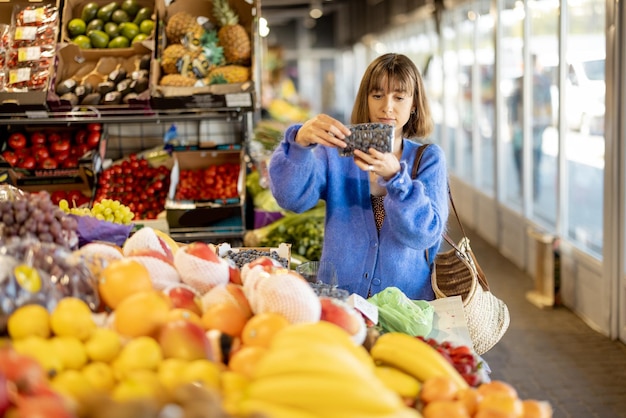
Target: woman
x,y
380,224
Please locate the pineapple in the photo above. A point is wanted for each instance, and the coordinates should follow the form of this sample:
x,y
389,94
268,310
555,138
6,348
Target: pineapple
x,y
177,80
232,36
172,55
228,74
179,25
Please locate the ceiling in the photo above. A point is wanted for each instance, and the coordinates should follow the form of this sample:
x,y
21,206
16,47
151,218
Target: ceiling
x,y
343,23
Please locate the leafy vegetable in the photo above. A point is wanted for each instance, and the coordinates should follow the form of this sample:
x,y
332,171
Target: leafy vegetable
x,y
398,313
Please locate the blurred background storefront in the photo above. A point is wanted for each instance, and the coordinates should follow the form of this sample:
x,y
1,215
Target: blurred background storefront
x,y
527,102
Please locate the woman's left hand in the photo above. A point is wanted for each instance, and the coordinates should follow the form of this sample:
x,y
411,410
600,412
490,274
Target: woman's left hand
x,y
383,164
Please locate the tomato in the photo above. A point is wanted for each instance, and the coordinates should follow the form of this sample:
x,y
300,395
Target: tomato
x,y
40,152
17,141
94,127
57,196
60,145
37,138
28,163
93,139
10,157
81,136
49,163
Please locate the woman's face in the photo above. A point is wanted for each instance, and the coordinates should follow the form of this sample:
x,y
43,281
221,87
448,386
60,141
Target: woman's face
x,y
391,104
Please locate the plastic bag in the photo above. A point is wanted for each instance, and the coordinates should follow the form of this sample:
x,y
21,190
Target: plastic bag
x,y
91,229
398,313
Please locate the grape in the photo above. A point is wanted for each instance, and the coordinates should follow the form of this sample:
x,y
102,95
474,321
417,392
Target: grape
x,y
7,218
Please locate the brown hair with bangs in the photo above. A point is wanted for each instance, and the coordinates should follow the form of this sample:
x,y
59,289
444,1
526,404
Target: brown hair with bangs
x,y
400,74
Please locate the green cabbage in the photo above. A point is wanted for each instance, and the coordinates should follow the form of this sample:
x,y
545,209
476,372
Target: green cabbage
x,y
398,313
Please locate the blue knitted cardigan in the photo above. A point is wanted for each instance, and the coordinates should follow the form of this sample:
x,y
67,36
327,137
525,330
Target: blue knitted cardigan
x,y
368,261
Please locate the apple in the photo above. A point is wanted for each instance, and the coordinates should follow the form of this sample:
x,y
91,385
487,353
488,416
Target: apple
x,y
44,406
17,141
161,268
234,272
184,297
345,316
184,340
24,371
4,395
202,250
229,293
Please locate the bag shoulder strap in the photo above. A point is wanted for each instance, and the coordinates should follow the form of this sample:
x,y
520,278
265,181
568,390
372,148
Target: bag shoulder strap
x,y
481,275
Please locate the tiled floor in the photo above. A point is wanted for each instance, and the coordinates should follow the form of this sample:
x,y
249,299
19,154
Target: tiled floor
x,y
551,354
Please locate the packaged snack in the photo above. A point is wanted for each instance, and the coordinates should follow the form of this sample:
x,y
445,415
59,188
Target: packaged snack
x,y
368,135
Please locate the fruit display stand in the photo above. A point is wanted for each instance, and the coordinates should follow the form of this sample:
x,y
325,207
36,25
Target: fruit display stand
x,y
153,326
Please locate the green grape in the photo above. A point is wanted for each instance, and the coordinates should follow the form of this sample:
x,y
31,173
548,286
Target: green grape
x,y
99,216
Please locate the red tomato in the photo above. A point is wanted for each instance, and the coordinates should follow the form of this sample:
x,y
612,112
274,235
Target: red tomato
x,y
37,138
81,136
93,139
60,145
28,163
17,141
40,152
94,127
49,163
10,157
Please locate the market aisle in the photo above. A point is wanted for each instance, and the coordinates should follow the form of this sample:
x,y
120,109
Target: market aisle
x,y
552,354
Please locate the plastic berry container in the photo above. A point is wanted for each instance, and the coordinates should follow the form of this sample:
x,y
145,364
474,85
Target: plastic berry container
x,y
368,135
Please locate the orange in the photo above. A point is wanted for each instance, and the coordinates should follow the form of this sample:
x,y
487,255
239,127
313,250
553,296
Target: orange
x,y
228,318
245,359
122,278
142,313
261,328
180,313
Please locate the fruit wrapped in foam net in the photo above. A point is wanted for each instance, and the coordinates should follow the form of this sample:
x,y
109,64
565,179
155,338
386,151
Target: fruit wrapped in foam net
x,y
200,273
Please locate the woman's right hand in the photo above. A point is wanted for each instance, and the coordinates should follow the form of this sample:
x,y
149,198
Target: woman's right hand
x,y
323,130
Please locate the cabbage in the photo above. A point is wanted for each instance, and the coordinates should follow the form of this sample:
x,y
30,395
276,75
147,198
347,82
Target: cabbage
x,y
398,313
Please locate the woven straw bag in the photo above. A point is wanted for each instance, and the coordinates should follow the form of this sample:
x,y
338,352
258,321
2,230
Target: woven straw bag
x,y
456,273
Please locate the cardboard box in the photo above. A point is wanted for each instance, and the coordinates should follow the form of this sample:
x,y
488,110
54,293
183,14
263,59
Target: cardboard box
x,y
27,100
213,215
234,95
74,63
73,8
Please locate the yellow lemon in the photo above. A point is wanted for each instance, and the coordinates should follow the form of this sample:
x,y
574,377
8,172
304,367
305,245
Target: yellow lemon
x,y
103,345
72,384
139,384
72,318
203,372
100,376
70,350
41,350
29,320
141,353
170,372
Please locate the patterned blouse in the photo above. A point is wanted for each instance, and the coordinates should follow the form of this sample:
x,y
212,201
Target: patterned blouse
x,y
379,210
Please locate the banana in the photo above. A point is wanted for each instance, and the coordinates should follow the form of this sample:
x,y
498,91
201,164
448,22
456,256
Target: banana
x,y
323,396
311,358
322,332
400,382
248,407
415,357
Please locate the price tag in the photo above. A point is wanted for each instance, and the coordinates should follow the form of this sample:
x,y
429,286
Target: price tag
x,y
32,53
36,114
369,310
238,100
26,33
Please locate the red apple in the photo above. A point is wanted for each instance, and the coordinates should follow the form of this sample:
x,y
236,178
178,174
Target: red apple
x,y
184,297
4,395
234,272
202,250
24,371
184,340
345,316
45,406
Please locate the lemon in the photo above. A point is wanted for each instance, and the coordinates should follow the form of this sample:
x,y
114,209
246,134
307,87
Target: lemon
x,y
41,350
203,372
140,384
70,350
103,345
72,318
72,384
170,372
100,376
29,320
141,353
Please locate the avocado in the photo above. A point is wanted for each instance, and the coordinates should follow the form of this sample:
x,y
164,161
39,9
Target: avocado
x,y
143,14
124,86
96,24
106,12
119,42
91,99
131,7
130,96
70,97
66,86
140,85
117,75
105,87
99,39
112,97
89,11
144,62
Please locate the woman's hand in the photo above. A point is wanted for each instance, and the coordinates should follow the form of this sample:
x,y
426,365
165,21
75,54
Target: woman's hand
x,y
323,130
384,164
